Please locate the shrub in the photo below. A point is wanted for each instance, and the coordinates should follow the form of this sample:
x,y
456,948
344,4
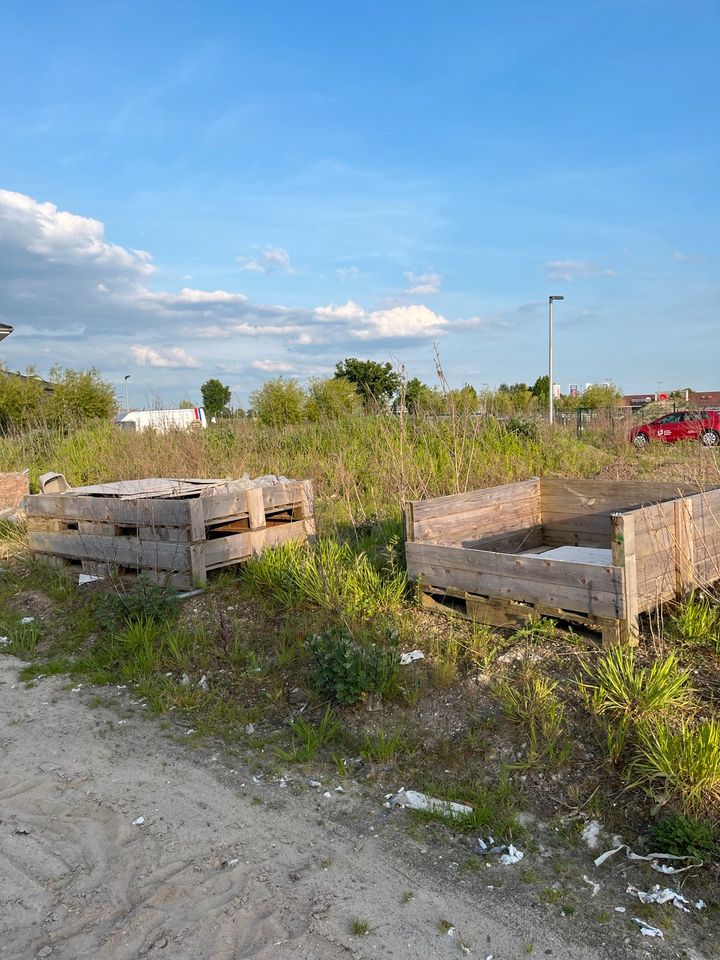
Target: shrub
x,y
522,427
686,837
682,766
332,399
279,402
145,600
346,671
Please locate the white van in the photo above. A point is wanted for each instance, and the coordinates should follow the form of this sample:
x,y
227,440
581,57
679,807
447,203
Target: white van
x,y
162,420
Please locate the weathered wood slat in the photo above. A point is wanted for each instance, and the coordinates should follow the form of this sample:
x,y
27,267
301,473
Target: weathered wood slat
x,y
514,542
581,587
242,545
498,517
122,551
111,510
463,502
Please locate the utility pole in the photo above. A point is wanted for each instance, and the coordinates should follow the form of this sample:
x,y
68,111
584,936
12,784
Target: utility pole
x,y
127,401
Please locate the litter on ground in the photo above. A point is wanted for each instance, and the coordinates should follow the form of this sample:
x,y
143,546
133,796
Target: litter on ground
x,y
591,833
509,854
658,895
415,800
591,883
651,858
406,658
138,822
648,930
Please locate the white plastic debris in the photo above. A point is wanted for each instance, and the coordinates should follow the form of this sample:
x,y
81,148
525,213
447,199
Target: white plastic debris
x,y
27,620
339,789
652,859
202,682
4,641
509,853
647,929
591,834
84,578
327,794
658,895
512,856
315,784
138,822
406,658
619,909
249,728
415,800
700,904
591,883
185,680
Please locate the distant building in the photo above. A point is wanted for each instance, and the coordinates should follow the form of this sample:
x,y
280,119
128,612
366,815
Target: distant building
x,y
699,399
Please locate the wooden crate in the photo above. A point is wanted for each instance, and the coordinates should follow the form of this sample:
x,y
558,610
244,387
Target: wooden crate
x,y
483,552
171,540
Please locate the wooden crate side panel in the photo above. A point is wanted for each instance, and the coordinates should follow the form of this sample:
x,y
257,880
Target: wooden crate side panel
x,y
514,542
705,527
150,513
585,588
464,502
234,505
227,550
478,514
120,551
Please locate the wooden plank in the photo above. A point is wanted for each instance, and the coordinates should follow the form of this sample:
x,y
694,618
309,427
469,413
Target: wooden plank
x,y
560,537
580,587
122,551
623,554
684,552
107,509
494,518
467,502
408,521
97,528
307,506
597,495
515,542
227,550
227,506
256,508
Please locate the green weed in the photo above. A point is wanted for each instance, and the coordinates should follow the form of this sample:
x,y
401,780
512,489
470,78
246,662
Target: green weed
x,y
380,747
530,700
345,670
682,766
686,836
697,622
308,737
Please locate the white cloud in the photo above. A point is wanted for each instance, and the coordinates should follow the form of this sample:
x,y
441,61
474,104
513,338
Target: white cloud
x,y
174,357
573,269
344,311
271,259
189,296
245,330
272,366
412,321
686,257
345,273
422,284
59,237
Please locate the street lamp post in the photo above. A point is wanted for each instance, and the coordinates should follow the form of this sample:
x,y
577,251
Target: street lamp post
x,y
551,399
127,401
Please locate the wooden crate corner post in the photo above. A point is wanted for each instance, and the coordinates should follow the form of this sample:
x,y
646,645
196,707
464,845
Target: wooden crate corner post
x,y
623,555
684,545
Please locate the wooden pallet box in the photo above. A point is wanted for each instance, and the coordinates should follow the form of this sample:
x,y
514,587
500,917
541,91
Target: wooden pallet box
x,y
592,552
175,540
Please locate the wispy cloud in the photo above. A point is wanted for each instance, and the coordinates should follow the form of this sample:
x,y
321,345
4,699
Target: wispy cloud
x,y
173,357
575,269
422,284
272,366
270,260
686,257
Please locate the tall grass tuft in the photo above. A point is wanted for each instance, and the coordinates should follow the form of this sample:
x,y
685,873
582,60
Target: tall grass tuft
x,y
626,695
530,700
697,622
682,766
330,574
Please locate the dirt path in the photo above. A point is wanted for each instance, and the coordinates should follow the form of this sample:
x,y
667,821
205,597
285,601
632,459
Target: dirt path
x,y
222,867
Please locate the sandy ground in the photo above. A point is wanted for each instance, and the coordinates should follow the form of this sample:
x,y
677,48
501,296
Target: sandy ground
x,y
222,867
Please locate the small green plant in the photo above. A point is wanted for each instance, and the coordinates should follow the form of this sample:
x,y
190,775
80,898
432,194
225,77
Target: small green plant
x,y
21,639
686,836
308,738
493,807
380,747
444,926
697,622
346,670
682,766
530,700
145,600
359,928
407,896
626,696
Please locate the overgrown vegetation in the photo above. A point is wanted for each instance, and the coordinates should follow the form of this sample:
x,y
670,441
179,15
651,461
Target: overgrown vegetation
x,y
346,670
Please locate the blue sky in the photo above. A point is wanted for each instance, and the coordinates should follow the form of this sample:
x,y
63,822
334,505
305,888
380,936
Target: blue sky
x,y
243,191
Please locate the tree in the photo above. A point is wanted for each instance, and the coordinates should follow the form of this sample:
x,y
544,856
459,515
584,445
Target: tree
x,y
420,398
21,400
541,390
464,400
332,399
79,395
377,383
216,396
279,402
186,405
600,395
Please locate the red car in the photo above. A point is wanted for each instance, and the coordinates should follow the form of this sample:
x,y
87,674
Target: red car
x,y
703,425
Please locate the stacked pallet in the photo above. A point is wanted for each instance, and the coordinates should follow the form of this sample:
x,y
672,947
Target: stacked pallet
x,y
173,531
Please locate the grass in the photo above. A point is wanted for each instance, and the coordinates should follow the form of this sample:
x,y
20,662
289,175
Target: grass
x,y
697,622
627,696
309,737
381,747
358,927
529,699
493,807
680,765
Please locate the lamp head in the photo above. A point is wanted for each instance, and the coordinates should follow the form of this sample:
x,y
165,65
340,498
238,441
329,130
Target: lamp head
x,y
556,298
